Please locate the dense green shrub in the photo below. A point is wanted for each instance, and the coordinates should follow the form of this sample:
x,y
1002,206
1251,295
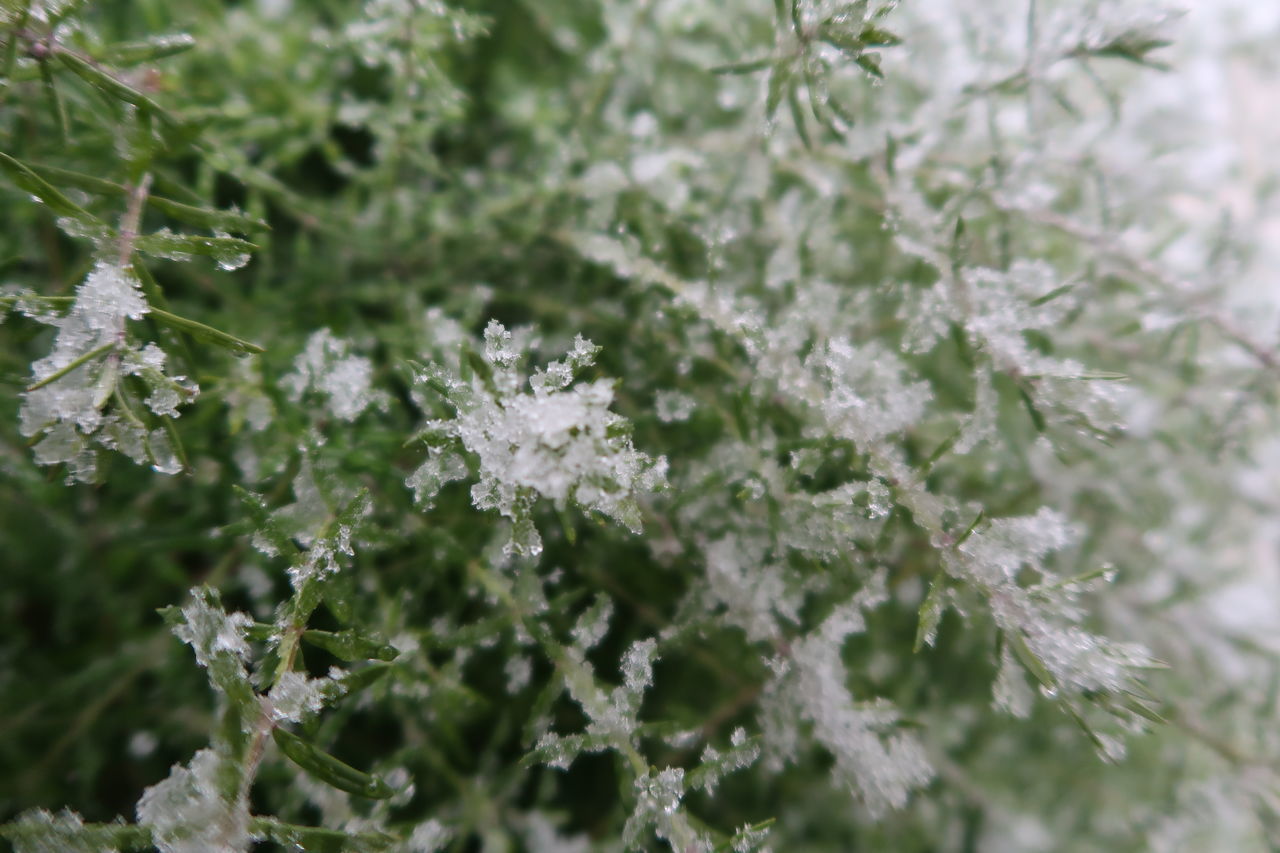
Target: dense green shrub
x,y
567,425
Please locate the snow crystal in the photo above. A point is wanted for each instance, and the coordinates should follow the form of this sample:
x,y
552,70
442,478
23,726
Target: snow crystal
x,y
674,406
164,459
91,352
327,366
559,442
429,836
187,814
637,665
295,696
142,744
1007,544
211,631
664,791
540,836
440,467
1011,692
39,831
878,763
593,624
519,670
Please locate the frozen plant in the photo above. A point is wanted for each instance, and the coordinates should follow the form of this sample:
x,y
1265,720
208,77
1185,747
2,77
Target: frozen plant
x,y
560,442
825,424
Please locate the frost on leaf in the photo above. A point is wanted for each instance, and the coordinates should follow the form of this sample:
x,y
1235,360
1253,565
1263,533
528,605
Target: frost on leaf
x,y
442,465
557,440
754,593
428,837
593,624
715,765
39,831
1044,614
327,367
658,797
1011,693
75,400
210,631
187,813
674,406
874,759
295,696
542,836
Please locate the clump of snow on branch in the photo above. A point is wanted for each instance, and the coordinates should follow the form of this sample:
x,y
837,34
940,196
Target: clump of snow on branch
x,y
328,367
559,440
75,400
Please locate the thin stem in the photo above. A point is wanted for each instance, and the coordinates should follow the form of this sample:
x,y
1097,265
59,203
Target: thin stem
x,y
77,362
132,217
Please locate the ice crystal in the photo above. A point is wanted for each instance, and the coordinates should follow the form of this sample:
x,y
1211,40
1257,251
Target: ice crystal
x,y
1010,693
715,765
658,797
441,466
295,696
558,442
76,400
187,813
39,831
518,671
541,836
327,366
210,631
637,666
878,763
593,624
428,837
674,406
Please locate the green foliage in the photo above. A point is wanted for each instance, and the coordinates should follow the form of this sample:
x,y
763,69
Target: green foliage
x,y
542,440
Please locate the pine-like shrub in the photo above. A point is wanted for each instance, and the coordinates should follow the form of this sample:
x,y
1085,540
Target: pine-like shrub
x,y
567,425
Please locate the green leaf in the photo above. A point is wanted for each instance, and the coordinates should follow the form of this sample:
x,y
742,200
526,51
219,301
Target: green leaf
x,y
148,50
748,67
877,37
968,531
1030,660
59,204
870,62
313,839
40,831
358,679
797,117
931,612
323,766
55,101
79,180
208,334
842,39
1037,417
264,522
1130,47
166,244
175,442
1141,709
1088,732
350,645
1052,294
339,596
215,220
76,362
941,450
104,82
779,79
